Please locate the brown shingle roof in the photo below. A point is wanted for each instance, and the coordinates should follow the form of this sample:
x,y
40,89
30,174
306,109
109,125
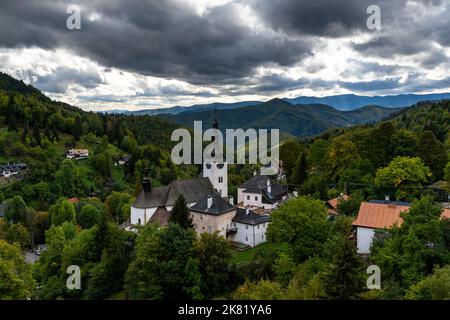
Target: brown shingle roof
x,y
383,215
379,215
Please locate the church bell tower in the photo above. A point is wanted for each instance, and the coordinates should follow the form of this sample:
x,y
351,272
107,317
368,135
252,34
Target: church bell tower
x,y
217,171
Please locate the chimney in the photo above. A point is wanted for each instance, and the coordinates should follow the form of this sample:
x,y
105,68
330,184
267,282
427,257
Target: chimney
x,y
269,186
387,198
209,202
232,200
247,210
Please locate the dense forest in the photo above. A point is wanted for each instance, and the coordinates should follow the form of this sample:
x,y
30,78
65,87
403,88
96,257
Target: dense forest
x,y
75,207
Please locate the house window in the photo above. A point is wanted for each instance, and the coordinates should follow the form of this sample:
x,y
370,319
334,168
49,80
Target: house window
x,y
139,221
220,179
248,197
262,237
235,224
256,198
246,226
257,227
209,229
246,238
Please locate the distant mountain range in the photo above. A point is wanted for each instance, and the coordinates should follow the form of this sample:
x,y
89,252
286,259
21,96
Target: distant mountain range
x,y
190,109
343,102
297,120
346,102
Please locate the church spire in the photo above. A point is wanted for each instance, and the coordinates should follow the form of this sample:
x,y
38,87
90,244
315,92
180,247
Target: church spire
x,y
146,182
215,123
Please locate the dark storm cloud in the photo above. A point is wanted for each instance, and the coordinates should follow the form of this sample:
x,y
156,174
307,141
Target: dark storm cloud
x,y
412,30
169,39
434,59
330,18
60,79
389,45
375,68
275,83
375,85
159,38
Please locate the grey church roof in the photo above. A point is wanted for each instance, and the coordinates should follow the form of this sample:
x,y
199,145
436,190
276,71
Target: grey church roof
x,y
219,205
251,218
192,189
258,184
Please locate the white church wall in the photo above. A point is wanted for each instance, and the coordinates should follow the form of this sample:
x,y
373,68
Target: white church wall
x,y
218,176
141,215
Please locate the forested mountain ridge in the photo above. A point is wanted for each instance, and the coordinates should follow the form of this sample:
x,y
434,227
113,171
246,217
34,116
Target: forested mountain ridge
x,y
354,156
38,131
10,84
296,120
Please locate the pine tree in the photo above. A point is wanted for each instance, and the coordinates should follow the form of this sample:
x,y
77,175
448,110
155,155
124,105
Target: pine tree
x,y
180,213
344,279
299,173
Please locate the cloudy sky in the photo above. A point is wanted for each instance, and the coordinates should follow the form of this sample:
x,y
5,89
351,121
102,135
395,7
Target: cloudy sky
x,y
139,54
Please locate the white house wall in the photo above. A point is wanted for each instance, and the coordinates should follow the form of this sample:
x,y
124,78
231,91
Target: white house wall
x,y
240,195
253,199
364,239
249,234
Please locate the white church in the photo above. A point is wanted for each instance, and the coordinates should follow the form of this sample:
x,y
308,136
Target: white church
x,y
210,207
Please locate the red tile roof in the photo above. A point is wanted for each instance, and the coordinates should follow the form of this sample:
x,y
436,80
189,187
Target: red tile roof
x,y
73,200
382,215
334,202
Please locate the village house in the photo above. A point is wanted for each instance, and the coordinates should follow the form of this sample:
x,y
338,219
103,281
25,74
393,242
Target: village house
x,y
261,192
332,205
379,215
124,159
77,153
12,169
213,214
250,227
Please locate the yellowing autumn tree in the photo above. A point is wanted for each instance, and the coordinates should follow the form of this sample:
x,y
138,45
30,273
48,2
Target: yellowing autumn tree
x,y
405,175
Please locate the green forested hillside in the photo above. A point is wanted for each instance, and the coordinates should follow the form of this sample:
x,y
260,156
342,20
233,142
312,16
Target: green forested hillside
x,y
296,120
353,157
37,131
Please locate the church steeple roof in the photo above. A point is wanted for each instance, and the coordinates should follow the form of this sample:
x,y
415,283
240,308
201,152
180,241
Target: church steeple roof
x,y
215,122
146,181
